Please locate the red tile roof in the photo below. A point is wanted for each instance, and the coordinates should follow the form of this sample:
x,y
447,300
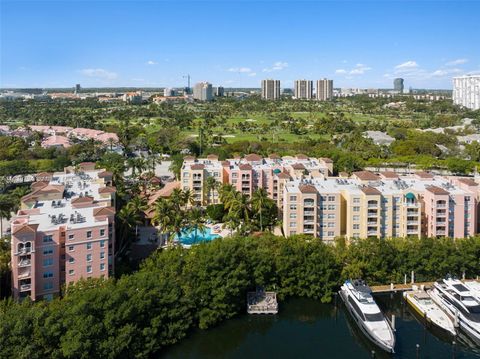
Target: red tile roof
x,y
253,157
370,191
437,190
365,176
307,188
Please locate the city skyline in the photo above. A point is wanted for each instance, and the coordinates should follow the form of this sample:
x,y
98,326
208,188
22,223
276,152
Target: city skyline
x,y
128,44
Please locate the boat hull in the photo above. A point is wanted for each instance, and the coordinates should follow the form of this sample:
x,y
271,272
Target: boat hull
x,y
362,326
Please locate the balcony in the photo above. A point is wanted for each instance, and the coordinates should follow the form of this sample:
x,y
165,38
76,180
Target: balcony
x,y
412,222
441,205
411,204
308,221
24,263
372,223
372,233
412,231
23,251
440,233
372,205
25,287
25,274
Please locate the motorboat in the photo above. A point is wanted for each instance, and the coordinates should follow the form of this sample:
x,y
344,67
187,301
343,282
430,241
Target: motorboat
x,y
474,287
359,301
427,309
460,304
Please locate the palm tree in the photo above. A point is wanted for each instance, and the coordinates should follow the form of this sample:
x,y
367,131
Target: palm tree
x,y
188,197
260,200
163,215
126,224
177,198
7,204
226,192
211,184
197,221
138,207
239,208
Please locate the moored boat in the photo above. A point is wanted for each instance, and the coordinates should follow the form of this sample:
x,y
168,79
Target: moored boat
x,y
460,304
427,309
359,301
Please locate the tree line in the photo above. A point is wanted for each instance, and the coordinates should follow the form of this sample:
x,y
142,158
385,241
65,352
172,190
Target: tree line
x,y
177,290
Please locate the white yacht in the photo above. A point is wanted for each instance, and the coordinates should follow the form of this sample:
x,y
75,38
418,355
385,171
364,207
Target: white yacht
x,y
423,304
460,304
474,287
357,297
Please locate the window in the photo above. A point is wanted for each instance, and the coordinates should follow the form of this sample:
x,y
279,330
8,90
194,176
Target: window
x,y
293,215
356,235
71,236
47,285
89,269
89,234
47,239
293,198
293,224
356,200
71,272
71,260
331,224
102,255
89,245
356,209
331,233
47,274
323,198
356,217
293,207
331,216
356,226
48,262
102,244
331,198
331,207
102,266
47,251
89,257
71,248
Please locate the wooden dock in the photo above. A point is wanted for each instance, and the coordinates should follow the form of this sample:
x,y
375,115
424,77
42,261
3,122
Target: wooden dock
x,y
261,302
399,287
404,287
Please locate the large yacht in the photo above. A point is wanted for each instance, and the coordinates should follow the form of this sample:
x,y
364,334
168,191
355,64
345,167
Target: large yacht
x,y
459,303
357,297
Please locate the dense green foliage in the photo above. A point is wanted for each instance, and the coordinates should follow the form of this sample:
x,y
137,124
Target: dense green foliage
x,y
178,289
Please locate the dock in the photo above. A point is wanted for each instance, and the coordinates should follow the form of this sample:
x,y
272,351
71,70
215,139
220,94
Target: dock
x,y
261,302
406,286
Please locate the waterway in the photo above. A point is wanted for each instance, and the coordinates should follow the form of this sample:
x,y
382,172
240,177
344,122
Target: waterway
x,y
306,328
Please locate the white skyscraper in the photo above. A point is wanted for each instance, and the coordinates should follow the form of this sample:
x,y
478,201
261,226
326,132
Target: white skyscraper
x,y
324,90
270,89
203,91
466,91
303,89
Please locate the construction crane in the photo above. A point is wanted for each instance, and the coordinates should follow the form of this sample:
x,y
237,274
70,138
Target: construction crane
x,y
188,82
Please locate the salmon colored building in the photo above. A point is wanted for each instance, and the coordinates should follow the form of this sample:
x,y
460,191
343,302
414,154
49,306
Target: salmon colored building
x,y
64,231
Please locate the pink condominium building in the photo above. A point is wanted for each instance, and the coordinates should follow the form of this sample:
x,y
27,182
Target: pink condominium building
x,y
383,205
64,231
249,173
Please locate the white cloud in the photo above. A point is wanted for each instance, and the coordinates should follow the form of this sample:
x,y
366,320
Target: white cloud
x,y
359,69
277,66
101,74
456,62
252,74
151,62
244,70
407,65
341,71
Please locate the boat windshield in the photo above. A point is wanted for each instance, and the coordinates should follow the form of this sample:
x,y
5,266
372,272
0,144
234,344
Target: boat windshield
x,y
374,317
474,309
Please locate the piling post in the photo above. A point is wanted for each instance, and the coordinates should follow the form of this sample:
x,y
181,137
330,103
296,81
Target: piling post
x,y
373,353
413,277
463,275
393,322
453,349
418,350
405,279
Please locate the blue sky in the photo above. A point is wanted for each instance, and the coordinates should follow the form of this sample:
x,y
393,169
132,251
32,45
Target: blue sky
x,y
237,43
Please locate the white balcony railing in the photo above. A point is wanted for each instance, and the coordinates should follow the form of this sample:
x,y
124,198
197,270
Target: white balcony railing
x,y
25,287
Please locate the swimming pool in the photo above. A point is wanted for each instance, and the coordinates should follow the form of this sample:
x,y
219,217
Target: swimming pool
x,y
187,236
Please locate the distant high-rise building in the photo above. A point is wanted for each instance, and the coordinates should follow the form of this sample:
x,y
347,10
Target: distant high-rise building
x,y
324,90
466,91
303,89
203,91
168,92
271,89
77,88
398,85
219,91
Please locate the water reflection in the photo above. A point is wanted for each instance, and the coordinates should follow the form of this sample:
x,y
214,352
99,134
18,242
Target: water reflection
x,y
306,328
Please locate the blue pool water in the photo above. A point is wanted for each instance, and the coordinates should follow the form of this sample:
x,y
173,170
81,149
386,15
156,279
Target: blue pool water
x,y
187,236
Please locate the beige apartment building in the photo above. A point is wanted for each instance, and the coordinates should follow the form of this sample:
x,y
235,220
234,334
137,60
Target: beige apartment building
x,y
384,205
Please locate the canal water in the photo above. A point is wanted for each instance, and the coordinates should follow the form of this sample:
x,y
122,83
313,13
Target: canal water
x,y
306,328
